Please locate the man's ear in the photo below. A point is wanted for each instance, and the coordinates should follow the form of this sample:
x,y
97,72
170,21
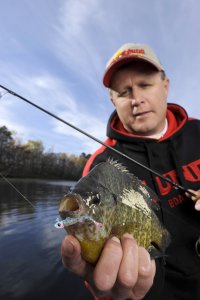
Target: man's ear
x,y
112,96
166,85
113,101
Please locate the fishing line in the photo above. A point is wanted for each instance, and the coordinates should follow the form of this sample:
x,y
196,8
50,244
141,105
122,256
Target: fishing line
x,y
3,93
176,185
14,187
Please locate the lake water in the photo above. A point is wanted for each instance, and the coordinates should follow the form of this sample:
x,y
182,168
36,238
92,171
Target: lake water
x,y
30,262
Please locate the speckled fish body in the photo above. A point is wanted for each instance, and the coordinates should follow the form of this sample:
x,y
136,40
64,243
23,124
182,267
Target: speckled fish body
x,y
107,202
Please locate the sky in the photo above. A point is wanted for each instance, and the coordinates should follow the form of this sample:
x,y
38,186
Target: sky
x,y
54,52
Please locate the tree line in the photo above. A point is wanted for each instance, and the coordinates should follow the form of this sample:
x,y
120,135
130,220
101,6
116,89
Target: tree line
x,y
29,160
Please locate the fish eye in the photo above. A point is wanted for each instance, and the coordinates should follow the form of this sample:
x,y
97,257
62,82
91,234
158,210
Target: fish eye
x,y
96,199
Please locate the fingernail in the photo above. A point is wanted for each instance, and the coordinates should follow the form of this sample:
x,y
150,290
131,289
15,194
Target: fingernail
x,y
114,238
127,236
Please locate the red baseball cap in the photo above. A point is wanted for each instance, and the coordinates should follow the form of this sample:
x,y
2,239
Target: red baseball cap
x,y
128,53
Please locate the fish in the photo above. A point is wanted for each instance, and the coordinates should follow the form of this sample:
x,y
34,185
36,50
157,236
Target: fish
x,y
110,201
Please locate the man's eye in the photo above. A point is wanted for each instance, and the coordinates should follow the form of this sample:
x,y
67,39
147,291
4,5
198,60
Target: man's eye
x,y
145,85
125,93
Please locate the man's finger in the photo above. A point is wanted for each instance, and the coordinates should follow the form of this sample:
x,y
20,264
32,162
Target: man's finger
x,y
128,271
197,205
194,195
71,256
146,273
107,267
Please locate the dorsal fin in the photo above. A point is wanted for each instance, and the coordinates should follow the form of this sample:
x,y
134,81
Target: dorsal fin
x,y
118,165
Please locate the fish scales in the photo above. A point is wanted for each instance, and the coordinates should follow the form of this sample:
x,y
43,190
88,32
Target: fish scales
x,y
110,201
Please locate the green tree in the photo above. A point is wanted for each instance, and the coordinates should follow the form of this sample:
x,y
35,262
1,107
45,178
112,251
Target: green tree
x,y
30,161
6,148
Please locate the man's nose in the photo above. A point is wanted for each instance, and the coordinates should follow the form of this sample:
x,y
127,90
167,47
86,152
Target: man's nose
x,y
136,97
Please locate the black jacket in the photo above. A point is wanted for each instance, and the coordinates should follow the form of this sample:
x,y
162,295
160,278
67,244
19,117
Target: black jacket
x,y
177,156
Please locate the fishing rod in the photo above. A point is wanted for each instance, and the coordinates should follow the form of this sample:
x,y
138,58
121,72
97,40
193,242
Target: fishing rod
x,y
176,185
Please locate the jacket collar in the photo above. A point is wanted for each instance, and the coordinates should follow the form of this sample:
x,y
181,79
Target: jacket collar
x,y
176,117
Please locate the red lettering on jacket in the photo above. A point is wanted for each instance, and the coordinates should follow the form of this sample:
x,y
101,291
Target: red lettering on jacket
x,y
191,171
164,186
176,201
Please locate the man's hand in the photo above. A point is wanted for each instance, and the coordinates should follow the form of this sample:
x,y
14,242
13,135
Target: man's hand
x,y
123,270
195,197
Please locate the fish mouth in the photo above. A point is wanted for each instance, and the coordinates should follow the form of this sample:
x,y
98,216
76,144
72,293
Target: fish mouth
x,y
73,212
71,206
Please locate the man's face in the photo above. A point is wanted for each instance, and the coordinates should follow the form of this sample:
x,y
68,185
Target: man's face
x,y
139,94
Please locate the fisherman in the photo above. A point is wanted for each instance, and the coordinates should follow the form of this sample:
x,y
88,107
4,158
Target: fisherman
x,y
164,138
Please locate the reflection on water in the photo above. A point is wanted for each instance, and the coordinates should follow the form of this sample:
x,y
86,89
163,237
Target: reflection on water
x,y
30,263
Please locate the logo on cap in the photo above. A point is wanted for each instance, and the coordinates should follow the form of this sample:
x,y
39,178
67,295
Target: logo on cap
x,y
127,52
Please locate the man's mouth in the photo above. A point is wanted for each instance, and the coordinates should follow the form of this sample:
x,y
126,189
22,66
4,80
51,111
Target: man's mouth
x,y
141,114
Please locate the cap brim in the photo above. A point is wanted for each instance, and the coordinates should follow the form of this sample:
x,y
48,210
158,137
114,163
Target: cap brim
x,y
116,64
